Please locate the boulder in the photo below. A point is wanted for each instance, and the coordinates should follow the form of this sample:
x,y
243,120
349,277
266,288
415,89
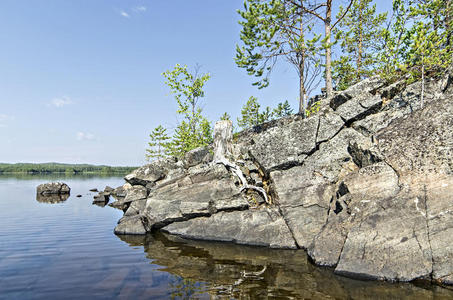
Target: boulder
x,y
108,189
152,172
53,188
135,193
197,156
101,199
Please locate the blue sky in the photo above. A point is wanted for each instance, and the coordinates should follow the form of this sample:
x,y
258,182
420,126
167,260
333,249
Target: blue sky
x,y
80,81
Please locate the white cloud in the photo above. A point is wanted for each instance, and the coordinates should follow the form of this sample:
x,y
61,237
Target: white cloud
x,y
60,102
139,9
85,136
124,14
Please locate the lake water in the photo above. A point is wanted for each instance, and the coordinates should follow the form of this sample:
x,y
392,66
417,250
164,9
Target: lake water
x,y
67,250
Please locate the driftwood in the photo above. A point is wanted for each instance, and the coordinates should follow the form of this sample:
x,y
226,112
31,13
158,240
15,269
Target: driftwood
x,y
223,139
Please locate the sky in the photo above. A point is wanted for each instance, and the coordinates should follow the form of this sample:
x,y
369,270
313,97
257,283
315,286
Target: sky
x,y
80,81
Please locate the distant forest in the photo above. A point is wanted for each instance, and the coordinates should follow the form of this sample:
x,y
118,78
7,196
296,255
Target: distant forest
x,y
57,168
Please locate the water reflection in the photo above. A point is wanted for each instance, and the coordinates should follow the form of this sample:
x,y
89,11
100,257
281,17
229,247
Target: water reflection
x,y
221,270
53,198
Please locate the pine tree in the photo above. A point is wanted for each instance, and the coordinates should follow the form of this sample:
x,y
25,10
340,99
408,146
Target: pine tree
x,y
357,34
274,30
250,113
159,144
282,110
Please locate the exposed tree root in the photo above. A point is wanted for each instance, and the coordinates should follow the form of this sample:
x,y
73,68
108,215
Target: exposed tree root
x,y
223,136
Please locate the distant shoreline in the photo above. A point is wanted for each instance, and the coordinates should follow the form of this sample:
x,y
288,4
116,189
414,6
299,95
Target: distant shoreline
x,y
60,168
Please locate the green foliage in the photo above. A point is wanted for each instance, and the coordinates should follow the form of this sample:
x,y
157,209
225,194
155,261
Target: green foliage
x,y
67,169
282,110
250,113
159,144
187,87
194,130
419,37
252,116
225,117
429,50
357,33
274,29
313,109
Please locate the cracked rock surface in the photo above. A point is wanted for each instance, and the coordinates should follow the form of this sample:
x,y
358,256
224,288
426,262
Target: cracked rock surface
x,y
365,186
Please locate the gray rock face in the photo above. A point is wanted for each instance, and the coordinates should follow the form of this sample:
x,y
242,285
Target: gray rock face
x,y
263,227
365,186
53,188
284,146
151,173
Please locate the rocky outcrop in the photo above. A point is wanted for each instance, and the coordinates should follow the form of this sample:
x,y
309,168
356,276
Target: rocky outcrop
x,y
53,188
365,186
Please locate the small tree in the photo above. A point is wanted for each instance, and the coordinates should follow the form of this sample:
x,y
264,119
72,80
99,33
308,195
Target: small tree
x,y
250,113
194,130
225,117
282,110
159,145
252,116
274,30
357,34
417,38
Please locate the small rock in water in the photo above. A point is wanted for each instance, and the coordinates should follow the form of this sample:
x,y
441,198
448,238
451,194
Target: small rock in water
x,y
108,189
53,188
78,196
101,199
94,190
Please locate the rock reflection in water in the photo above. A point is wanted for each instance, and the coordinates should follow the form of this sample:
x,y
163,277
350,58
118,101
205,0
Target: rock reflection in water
x,y
221,270
52,198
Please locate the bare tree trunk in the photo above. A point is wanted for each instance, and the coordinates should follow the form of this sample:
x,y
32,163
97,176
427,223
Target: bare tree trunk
x,y
223,137
302,105
423,83
359,50
329,88
448,29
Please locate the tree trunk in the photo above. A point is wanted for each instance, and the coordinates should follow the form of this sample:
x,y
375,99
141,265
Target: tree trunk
x,y
329,88
448,29
423,83
223,143
302,105
359,50
223,138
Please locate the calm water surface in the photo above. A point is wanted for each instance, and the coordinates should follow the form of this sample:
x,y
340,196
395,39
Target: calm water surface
x,y
67,250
